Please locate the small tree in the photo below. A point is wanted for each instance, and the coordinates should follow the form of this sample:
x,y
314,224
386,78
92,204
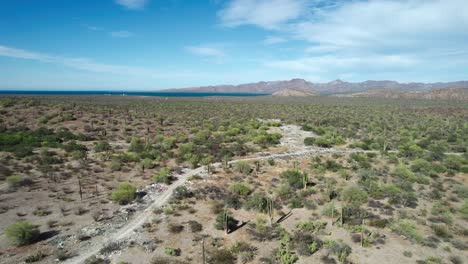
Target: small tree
x,y
146,163
22,233
354,195
124,194
240,189
225,221
162,176
242,167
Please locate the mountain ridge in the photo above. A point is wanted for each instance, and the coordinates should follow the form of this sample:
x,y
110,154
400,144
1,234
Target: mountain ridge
x,y
334,87
445,94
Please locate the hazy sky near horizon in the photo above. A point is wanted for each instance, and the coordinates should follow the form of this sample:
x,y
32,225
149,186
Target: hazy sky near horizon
x,y
157,44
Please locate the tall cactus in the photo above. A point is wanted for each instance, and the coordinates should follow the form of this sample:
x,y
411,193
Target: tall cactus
x,y
203,251
81,191
270,209
305,180
226,221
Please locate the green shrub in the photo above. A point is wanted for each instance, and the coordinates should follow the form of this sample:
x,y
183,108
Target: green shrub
x,y
295,178
102,146
354,195
311,226
380,223
284,254
172,251
221,256
309,141
441,230
146,163
461,191
162,176
240,189
124,194
340,250
242,167
175,228
181,192
464,209
453,162
22,233
407,228
258,202
329,210
295,203
116,165
220,221
403,172
195,226
420,165
13,181
38,256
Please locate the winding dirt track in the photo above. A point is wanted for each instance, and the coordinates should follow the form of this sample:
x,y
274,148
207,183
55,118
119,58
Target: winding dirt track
x,y
296,149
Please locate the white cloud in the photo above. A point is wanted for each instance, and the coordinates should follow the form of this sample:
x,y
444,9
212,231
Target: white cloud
x,y
121,34
77,63
342,64
205,51
132,4
274,40
269,14
388,25
351,38
91,27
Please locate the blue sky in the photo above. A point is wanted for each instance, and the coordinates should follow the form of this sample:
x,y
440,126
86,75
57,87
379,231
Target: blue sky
x,y
158,44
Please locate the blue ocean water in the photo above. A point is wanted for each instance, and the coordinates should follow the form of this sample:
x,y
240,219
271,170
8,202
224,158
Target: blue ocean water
x,y
115,93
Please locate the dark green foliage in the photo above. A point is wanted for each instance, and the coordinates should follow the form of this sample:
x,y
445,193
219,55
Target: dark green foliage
x,y
162,176
224,256
181,192
442,231
380,223
305,243
294,178
175,228
242,167
96,260
73,146
22,233
240,189
232,201
353,195
407,228
455,163
362,159
340,250
295,203
221,220
172,251
310,226
124,194
102,146
461,191
195,226
464,209
38,256
309,141
257,202
284,254
21,140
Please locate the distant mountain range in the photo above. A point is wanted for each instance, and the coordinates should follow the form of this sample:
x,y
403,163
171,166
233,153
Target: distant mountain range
x,y
446,94
295,92
333,87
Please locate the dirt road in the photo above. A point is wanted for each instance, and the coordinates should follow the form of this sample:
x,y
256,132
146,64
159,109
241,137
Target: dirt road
x,y
292,139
